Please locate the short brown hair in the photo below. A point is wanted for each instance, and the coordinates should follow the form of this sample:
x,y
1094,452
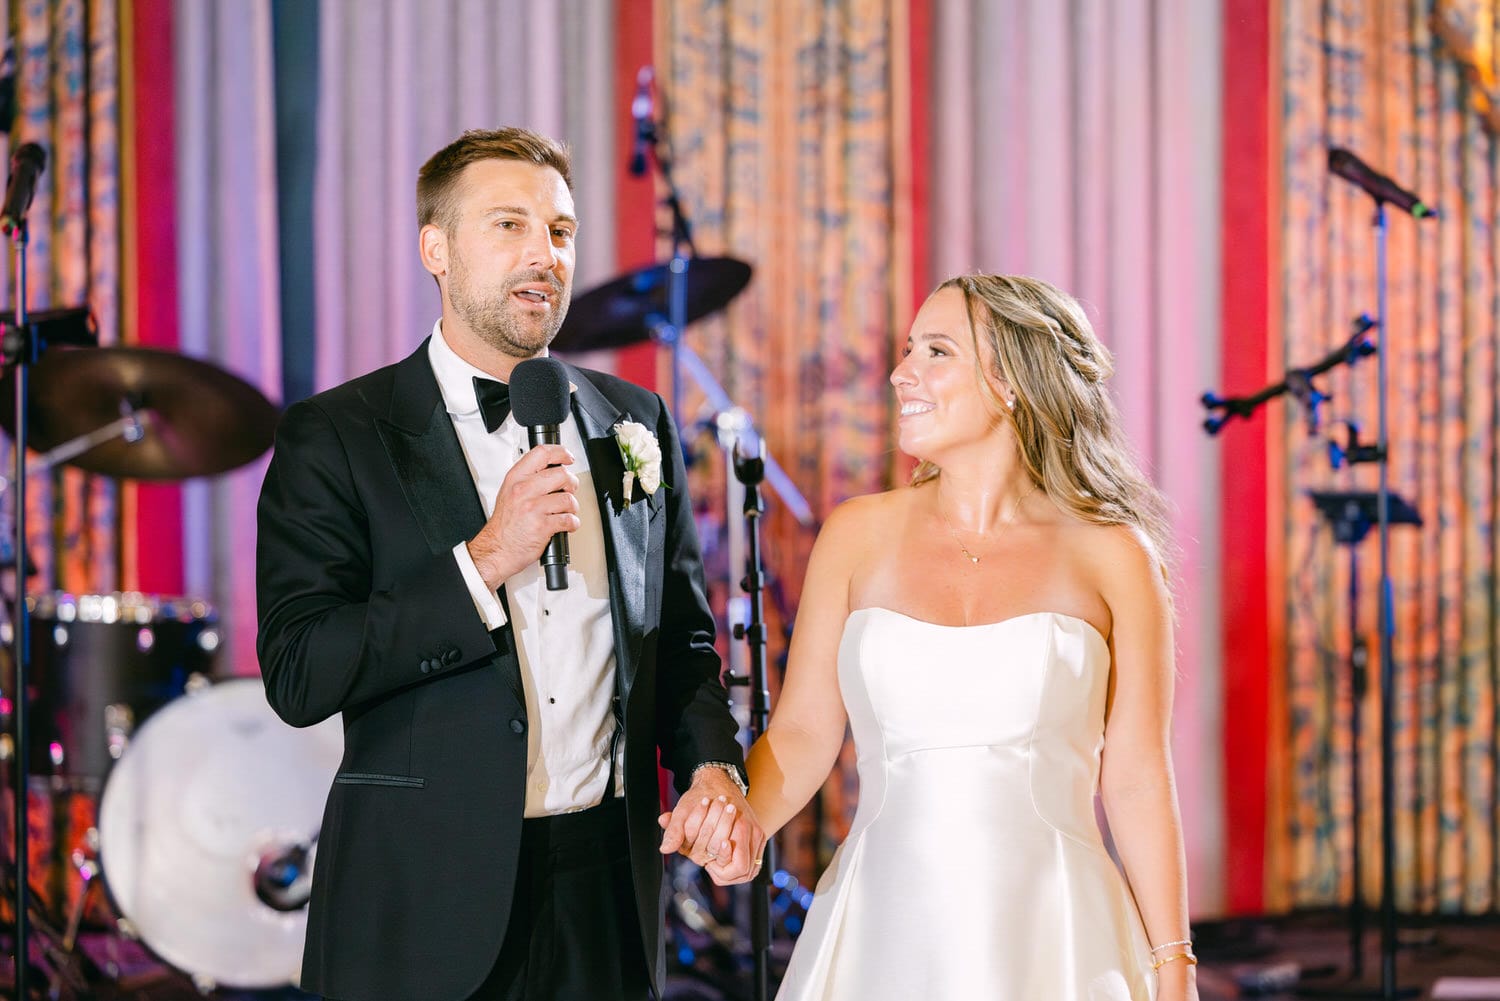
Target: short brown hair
x,y
440,173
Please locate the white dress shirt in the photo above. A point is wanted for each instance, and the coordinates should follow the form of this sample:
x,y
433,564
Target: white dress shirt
x,y
564,639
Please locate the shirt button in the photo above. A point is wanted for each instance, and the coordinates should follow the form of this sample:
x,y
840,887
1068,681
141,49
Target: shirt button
x,y
517,726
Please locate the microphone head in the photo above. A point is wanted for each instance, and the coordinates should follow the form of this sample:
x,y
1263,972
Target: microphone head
x,y
29,153
539,392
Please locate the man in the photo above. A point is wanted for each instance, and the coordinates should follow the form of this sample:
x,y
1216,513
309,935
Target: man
x,y
492,831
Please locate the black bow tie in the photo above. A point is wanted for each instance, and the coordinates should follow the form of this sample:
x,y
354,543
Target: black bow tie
x,y
494,402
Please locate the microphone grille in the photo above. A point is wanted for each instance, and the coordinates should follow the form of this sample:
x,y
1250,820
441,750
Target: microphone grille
x,y
539,392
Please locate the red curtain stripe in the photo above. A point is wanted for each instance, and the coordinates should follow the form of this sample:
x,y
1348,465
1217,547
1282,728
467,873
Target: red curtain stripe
x,y
1247,257
152,518
635,197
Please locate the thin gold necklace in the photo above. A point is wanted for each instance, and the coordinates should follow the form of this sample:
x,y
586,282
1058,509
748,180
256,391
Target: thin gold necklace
x,y
1004,524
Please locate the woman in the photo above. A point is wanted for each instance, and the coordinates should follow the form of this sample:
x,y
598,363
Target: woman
x,y
999,635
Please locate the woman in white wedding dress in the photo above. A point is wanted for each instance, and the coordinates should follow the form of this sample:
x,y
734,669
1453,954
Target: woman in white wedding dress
x,y
999,638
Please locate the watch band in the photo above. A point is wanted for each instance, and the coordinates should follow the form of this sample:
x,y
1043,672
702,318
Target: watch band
x,y
732,769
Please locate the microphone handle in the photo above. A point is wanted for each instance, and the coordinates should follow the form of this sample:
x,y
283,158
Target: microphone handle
x,y
555,556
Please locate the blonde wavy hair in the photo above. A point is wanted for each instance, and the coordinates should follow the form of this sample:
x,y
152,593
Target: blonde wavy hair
x,y
1066,424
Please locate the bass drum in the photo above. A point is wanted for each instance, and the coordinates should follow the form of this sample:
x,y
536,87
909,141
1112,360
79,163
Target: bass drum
x,y
207,832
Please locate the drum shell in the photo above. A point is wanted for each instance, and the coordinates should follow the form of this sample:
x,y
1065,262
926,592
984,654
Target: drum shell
x,y
100,666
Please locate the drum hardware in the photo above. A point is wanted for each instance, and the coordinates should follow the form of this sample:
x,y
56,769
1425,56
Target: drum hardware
x,y
142,413
119,723
66,961
107,662
283,877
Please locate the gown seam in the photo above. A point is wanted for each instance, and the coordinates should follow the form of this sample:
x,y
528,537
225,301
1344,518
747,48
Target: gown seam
x,y
1030,745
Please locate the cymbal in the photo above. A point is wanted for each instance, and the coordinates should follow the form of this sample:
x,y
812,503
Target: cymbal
x,y
196,419
626,309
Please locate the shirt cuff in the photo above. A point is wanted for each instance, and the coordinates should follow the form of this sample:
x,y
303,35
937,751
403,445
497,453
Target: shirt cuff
x,y
486,602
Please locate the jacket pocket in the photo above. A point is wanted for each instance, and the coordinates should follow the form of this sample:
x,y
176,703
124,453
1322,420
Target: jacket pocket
x,y
378,779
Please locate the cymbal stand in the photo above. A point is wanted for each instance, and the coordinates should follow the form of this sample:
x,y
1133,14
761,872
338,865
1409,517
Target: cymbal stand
x,y
131,428
683,251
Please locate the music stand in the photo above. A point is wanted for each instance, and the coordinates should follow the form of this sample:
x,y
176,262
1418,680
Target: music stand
x,y
1352,514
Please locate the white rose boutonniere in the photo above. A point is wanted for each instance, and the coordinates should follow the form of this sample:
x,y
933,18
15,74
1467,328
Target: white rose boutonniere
x,y
641,453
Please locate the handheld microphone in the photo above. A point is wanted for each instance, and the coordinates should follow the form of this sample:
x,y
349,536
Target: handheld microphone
x,y
26,166
1379,187
642,107
539,400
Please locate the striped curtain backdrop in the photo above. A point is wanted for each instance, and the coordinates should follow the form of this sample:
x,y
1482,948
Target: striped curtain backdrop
x,y
1079,142
67,58
397,81
1374,78
297,296
780,119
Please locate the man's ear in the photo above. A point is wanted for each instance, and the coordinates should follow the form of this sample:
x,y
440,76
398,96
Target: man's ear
x,y
432,244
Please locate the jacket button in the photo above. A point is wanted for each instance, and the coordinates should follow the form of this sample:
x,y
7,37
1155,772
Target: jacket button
x,y
426,666
451,657
517,726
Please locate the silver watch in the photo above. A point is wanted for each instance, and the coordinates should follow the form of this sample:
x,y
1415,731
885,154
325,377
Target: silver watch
x,y
734,774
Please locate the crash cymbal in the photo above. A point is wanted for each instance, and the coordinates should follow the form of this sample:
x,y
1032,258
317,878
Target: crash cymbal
x,y
196,419
625,310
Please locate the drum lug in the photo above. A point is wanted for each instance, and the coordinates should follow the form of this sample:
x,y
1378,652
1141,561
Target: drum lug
x,y
119,724
205,984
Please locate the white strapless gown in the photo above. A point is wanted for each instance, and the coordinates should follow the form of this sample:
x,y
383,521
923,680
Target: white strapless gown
x,y
975,869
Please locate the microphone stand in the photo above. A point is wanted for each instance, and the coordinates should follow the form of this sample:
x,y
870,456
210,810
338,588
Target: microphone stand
x,y
21,348
1389,990
749,469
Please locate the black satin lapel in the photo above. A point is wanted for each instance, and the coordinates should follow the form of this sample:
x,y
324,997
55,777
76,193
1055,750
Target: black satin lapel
x,y
626,529
434,475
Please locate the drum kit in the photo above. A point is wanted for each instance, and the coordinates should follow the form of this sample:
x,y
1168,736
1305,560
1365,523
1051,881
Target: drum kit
x,y
172,818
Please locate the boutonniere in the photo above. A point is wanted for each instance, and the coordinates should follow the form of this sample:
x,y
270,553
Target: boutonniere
x,y
641,453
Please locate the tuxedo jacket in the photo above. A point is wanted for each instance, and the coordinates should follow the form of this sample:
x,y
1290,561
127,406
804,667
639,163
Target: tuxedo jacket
x,y
363,612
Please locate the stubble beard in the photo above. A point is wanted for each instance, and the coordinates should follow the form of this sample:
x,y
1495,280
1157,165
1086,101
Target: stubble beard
x,y
497,321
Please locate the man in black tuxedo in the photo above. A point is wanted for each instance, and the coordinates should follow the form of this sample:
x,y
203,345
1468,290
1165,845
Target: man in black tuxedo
x,y
492,831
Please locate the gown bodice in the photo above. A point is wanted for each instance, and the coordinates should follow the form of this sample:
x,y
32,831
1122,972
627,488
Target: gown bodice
x,y
975,866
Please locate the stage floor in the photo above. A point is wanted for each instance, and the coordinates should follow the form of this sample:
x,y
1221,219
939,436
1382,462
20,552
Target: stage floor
x,y
1235,953
1232,953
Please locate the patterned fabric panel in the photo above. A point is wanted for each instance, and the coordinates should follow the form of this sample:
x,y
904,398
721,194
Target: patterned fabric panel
x,y
67,94
780,119
1374,78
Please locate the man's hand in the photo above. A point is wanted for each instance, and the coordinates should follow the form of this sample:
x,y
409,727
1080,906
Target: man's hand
x,y
713,825
536,501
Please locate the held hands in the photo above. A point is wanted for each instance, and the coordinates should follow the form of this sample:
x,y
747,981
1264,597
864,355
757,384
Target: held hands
x,y
713,825
537,500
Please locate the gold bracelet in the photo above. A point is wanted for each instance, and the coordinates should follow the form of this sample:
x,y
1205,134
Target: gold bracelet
x,y
1192,960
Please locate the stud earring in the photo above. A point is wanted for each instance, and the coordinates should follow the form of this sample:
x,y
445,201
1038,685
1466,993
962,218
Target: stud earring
x,y
1011,403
